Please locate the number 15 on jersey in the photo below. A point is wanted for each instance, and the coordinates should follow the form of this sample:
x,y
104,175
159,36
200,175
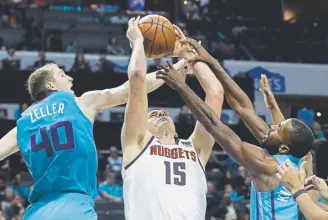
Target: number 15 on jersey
x,y
178,175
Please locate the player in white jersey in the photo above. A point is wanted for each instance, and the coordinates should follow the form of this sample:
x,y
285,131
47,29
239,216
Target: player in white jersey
x,y
163,178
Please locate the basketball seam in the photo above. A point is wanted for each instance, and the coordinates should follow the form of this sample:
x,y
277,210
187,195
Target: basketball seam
x,y
168,28
152,21
148,22
151,49
148,28
164,38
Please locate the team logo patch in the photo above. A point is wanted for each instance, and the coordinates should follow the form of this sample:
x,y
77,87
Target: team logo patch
x,y
186,143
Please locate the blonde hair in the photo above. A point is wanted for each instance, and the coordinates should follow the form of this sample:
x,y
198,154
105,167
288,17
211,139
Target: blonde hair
x,y
36,82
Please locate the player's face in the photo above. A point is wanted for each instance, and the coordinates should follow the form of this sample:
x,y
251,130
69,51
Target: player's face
x,y
277,136
62,81
160,122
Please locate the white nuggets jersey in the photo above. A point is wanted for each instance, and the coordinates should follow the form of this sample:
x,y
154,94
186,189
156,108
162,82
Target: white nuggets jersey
x,y
165,182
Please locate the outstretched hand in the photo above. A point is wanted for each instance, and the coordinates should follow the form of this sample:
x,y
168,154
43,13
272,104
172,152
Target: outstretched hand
x,y
201,54
182,50
172,77
266,91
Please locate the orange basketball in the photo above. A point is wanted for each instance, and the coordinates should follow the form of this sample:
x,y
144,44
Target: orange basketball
x,y
159,36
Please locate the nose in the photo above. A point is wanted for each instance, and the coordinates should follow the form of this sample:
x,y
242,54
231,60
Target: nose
x,y
70,79
161,114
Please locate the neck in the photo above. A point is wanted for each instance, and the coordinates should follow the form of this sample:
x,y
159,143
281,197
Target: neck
x,y
167,139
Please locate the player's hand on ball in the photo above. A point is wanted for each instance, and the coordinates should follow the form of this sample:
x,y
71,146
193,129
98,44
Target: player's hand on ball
x,y
180,49
172,77
289,177
133,33
201,55
266,91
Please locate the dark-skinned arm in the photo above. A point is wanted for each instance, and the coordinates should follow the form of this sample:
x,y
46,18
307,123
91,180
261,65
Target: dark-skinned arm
x,y
240,103
237,99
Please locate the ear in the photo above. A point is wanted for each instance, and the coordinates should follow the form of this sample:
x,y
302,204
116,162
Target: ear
x,y
50,86
283,149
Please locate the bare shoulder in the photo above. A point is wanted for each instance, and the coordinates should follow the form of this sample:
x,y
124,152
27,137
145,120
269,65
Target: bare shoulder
x,y
258,161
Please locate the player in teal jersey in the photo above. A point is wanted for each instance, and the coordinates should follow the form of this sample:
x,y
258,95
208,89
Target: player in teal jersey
x,y
55,138
290,140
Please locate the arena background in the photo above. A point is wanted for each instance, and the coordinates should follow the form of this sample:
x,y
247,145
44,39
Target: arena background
x,y
286,40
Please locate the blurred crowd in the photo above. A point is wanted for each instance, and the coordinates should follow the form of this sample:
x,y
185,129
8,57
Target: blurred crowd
x,y
11,62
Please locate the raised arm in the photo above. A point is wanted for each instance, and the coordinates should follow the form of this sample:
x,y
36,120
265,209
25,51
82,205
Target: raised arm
x,y
201,138
136,112
251,157
8,144
270,101
238,100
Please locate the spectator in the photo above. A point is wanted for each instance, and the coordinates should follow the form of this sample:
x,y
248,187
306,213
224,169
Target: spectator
x,y
104,65
12,205
18,188
80,65
213,208
192,11
110,190
11,62
307,116
231,211
114,160
41,61
113,48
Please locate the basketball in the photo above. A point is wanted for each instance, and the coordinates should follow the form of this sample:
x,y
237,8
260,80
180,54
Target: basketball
x,y
159,36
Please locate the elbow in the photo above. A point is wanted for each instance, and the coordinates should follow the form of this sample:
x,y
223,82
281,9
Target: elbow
x,y
215,94
137,74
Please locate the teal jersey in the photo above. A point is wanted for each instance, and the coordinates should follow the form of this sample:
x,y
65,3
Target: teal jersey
x,y
56,141
277,204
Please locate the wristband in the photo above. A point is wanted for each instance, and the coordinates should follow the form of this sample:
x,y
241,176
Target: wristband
x,y
299,192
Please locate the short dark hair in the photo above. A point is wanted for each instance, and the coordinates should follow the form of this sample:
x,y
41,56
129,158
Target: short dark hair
x,y
301,139
36,83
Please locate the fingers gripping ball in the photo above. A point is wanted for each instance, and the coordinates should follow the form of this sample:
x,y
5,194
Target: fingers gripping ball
x,y
159,36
